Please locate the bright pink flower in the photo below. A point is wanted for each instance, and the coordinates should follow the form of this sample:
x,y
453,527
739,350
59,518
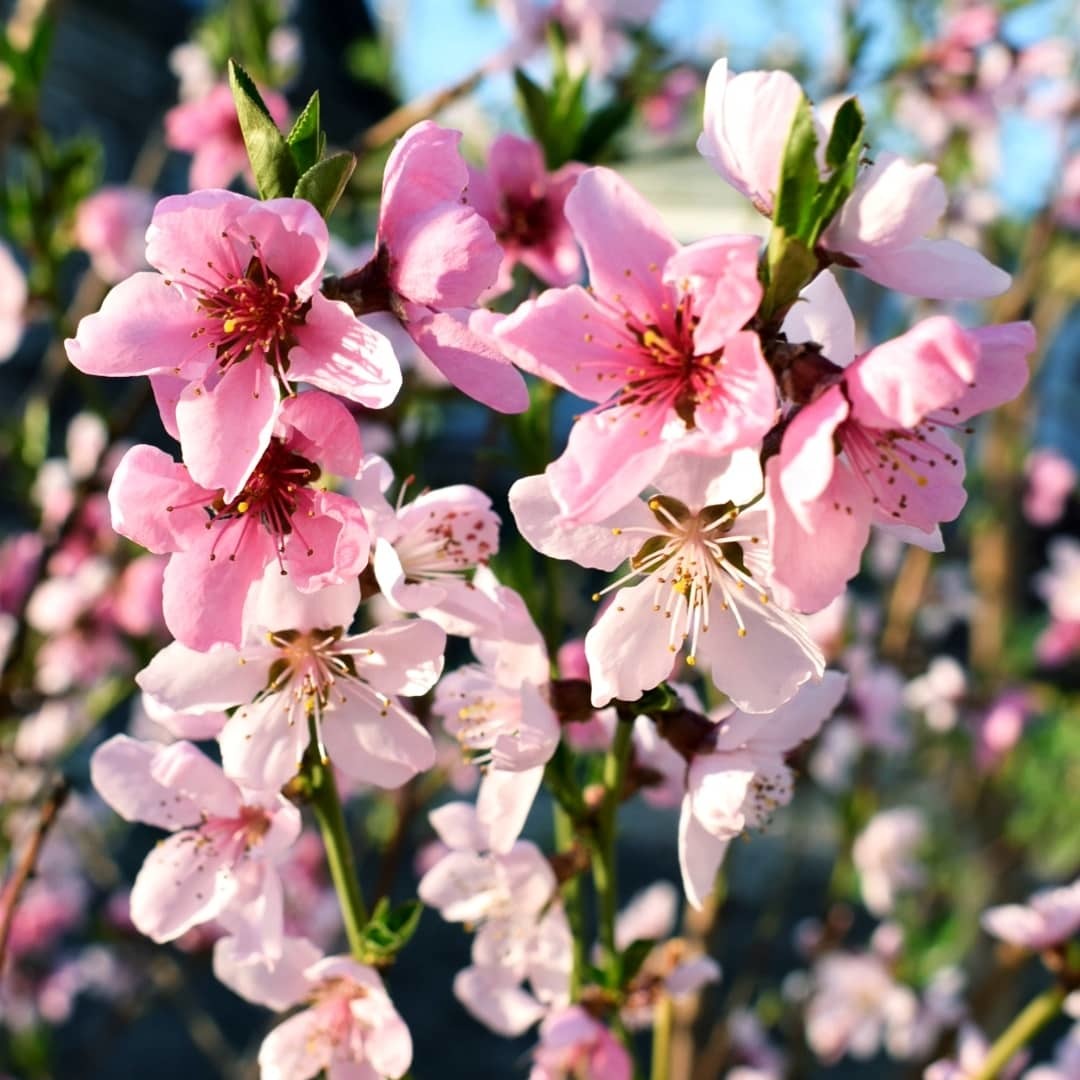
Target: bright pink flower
x,y
219,862
739,781
748,118
110,226
523,204
13,296
1059,584
350,1029
887,414
299,663
208,129
434,257
1050,917
663,111
697,568
972,1049
883,227
1051,479
234,322
574,1045
1000,728
657,341
221,545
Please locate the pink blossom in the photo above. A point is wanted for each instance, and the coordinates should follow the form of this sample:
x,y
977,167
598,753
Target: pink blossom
x,y
884,854
423,550
523,204
208,129
13,296
741,778
1050,917
298,663
747,121
696,582
1067,206
971,1050
1001,727
1066,1064
1059,584
1051,480
219,862
277,983
573,1045
663,111
221,545
857,1007
883,227
110,226
350,1029
236,319
887,413
657,342
434,257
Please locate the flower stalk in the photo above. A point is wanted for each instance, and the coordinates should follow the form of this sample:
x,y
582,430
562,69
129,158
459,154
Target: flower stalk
x,y
1034,1017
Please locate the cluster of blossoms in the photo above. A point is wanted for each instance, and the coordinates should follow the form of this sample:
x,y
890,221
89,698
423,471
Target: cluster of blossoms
x,y
734,459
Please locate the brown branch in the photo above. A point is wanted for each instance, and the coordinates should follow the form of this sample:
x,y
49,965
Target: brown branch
x,y
24,870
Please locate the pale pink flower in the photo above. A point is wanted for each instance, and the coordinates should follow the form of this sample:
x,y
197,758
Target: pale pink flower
x,y
573,1045
1051,480
697,568
886,414
884,854
13,297
748,118
434,257
220,545
1050,917
277,983
657,341
883,227
739,780
235,320
350,1029
423,550
857,1007
1059,584
1067,206
1066,1064
219,862
1001,726
523,204
110,226
750,1043
971,1050
521,933
663,111
938,693
299,663
209,130
1058,643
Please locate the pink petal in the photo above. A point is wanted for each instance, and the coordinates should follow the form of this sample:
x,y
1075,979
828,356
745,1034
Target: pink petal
x,y
1001,371
808,453
469,362
700,857
196,682
144,326
503,803
180,885
183,768
457,826
146,483
602,546
297,1049
937,270
187,230
822,314
721,275
120,772
816,546
626,245
898,383
336,351
492,995
224,431
277,986
743,407
568,338
404,657
321,429
329,546
260,748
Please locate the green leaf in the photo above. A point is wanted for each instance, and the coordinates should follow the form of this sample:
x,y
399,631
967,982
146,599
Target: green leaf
x,y
846,135
799,177
534,104
305,137
602,126
389,931
271,158
323,183
791,266
842,156
633,956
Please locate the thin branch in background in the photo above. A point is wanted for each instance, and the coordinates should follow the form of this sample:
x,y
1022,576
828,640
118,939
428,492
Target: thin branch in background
x,y
24,869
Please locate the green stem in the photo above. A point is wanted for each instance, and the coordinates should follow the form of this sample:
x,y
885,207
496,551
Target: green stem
x,y
1020,1032
661,1046
572,899
603,863
326,803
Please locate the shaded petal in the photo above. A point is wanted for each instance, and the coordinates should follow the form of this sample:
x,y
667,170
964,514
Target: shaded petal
x,y
404,657
503,803
184,768
194,682
276,985
492,995
937,270
700,857
808,451
1001,370
743,406
457,826
322,430
822,314
336,351
120,770
262,743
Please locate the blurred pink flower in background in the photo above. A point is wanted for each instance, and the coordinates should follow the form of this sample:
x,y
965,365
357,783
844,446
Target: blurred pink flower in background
x,y
110,226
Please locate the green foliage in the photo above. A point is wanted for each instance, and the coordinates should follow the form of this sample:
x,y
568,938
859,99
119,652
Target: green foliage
x,y
292,165
806,201
632,957
25,65
389,929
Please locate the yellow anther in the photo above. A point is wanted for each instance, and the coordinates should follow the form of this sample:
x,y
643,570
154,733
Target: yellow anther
x,y
229,325
243,507
691,661
742,631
